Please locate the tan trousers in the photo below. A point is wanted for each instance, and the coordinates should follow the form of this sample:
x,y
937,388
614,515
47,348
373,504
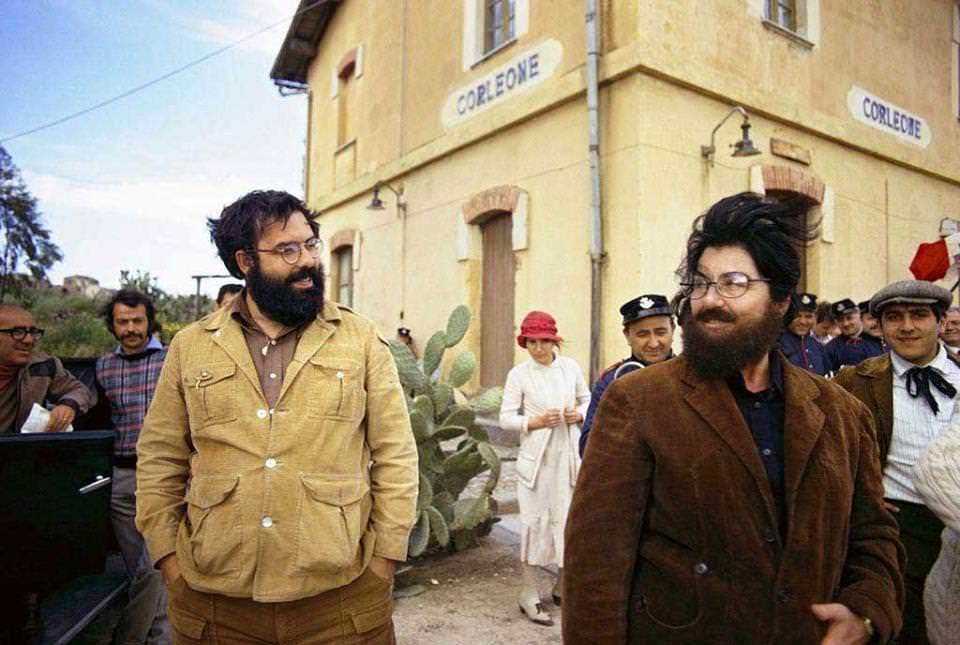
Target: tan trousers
x,y
360,612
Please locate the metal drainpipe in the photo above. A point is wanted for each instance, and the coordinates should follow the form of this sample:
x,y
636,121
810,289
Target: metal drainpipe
x,y
597,254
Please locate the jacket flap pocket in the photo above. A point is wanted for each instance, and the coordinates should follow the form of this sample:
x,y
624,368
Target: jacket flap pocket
x,y
207,492
209,374
336,363
336,492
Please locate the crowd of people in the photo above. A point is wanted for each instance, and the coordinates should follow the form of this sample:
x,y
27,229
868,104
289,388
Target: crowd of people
x,y
792,477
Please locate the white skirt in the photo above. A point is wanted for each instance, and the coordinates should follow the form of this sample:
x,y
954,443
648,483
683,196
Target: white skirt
x,y
544,508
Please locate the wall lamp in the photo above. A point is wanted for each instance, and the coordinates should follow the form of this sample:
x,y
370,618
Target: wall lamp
x,y
376,204
742,148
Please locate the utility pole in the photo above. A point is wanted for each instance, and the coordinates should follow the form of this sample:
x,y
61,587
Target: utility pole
x,y
196,301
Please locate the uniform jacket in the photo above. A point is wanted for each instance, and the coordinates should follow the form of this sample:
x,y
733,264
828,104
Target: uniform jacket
x,y
46,380
872,382
618,369
690,553
844,350
516,410
282,503
806,352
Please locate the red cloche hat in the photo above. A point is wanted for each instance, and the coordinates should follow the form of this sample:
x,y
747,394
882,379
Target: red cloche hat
x,y
538,324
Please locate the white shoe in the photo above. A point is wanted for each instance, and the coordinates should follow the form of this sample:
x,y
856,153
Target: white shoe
x,y
535,613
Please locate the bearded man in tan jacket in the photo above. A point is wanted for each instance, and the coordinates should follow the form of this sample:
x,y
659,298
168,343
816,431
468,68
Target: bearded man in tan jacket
x,y
277,471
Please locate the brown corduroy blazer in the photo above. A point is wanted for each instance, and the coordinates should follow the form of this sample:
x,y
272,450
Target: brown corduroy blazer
x,y
672,532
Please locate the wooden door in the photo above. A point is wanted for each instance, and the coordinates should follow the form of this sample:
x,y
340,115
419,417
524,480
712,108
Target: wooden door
x,y
497,335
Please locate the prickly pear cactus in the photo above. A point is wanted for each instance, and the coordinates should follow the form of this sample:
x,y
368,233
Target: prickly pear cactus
x,y
453,448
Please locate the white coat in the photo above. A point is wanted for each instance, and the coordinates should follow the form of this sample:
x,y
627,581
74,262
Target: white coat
x,y
938,482
548,460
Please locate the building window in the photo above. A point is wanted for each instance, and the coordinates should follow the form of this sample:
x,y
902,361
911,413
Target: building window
x,y
343,275
783,13
499,24
491,25
345,109
798,20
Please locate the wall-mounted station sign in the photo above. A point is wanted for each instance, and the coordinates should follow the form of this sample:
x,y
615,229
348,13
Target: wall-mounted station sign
x,y
520,74
892,119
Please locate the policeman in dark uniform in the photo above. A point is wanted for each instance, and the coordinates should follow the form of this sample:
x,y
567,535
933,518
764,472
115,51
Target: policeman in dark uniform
x,y
648,327
798,344
852,346
871,324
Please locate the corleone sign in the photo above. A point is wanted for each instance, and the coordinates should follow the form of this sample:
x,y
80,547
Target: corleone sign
x,y
888,117
520,74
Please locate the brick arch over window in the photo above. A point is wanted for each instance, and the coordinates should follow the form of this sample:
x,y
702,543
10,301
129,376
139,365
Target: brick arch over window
x,y
348,62
490,202
785,179
342,238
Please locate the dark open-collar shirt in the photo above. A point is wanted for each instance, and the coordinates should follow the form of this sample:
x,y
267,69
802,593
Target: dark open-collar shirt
x,y
764,414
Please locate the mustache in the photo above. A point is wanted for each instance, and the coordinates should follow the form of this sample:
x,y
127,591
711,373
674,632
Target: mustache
x,y
132,334
303,274
719,315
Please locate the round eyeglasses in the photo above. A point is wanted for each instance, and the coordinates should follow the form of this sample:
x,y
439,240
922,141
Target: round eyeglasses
x,y
728,285
19,333
290,252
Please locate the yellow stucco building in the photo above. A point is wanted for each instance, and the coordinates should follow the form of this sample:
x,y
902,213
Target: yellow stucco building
x,y
473,119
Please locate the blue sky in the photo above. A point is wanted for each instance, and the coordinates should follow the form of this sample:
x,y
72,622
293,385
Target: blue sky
x,y
130,185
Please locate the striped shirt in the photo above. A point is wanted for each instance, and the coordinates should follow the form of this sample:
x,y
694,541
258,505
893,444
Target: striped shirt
x,y
915,425
129,382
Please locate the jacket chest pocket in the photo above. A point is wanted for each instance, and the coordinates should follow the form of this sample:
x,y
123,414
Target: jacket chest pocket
x,y
332,516
336,389
214,528
211,393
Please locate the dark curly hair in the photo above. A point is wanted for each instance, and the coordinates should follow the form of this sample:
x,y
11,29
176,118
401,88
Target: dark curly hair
x,y
130,298
773,232
241,224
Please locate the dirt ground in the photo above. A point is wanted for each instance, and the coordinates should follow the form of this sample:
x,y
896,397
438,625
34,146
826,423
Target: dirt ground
x,y
474,600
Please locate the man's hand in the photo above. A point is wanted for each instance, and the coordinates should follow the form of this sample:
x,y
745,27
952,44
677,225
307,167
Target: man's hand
x,y
383,568
60,417
893,508
169,568
846,628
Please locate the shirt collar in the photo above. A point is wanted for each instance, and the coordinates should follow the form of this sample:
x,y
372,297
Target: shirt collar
x,y
901,365
739,388
152,345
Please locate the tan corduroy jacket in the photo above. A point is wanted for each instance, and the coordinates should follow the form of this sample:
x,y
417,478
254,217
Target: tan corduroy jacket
x,y
284,503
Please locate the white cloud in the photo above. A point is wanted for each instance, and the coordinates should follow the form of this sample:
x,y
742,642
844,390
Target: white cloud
x,y
155,226
249,17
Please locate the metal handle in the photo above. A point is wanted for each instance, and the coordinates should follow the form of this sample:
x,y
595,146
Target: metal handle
x,y
99,482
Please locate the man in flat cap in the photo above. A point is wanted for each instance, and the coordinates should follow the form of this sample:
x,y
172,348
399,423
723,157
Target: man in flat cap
x,y
853,345
648,328
797,341
911,393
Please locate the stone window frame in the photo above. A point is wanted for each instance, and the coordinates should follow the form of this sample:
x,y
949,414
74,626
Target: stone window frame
x,y
474,34
349,68
807,17
348,238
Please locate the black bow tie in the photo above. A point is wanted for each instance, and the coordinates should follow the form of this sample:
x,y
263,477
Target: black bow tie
x,y
919,380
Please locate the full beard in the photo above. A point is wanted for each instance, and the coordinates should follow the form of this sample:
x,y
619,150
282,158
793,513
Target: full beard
x,y
280,301
721,356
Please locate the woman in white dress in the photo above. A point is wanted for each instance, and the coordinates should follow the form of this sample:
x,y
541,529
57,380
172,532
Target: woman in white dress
x,y
938,482
545,398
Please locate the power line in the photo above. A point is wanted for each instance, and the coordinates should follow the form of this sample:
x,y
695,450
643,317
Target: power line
x,y
150,83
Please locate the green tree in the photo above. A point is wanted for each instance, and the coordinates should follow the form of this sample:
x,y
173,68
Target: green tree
x,y
25,240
